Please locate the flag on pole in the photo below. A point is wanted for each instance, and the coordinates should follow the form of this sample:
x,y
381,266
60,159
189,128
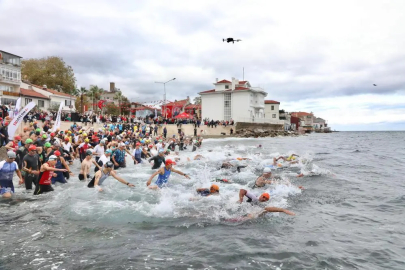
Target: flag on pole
x,y
17,106
12,127
57,121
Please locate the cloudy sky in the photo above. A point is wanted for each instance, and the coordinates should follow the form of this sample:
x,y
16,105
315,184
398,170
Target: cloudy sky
x,y
320,56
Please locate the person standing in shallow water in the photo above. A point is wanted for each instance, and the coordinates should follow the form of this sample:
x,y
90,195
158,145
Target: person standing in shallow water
x,y
164,174
47,171
7,169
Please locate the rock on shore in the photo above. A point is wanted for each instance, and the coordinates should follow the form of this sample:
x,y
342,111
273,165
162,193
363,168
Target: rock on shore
x,y
256,133
3,153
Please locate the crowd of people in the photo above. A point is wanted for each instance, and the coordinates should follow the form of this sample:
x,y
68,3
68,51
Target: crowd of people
x,y
41,158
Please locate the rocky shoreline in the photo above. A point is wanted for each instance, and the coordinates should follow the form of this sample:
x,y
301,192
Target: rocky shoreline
x,y
259,133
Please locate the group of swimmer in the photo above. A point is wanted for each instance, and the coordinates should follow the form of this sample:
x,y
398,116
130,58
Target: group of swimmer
x,y
41,158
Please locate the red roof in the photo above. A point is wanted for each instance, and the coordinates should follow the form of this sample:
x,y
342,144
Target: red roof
x,y
177,103
300,114
208,91
243,82
31,93
53,91
271,102
241,88
224,81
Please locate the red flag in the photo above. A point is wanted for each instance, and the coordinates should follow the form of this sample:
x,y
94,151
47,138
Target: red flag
x,y
101,104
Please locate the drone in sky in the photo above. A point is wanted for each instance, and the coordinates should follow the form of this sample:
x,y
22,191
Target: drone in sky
x,y
229,40
374,84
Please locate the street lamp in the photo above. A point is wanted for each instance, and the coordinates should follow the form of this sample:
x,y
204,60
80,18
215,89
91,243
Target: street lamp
x,y
164,96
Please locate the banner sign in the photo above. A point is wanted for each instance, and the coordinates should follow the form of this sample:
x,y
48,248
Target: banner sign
x,y
12,127
57,121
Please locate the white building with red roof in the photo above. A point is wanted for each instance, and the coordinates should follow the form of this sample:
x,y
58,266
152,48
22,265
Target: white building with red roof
x,y
236,100
55,97
271,109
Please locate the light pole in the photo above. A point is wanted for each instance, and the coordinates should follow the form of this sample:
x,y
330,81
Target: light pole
x,y
164,96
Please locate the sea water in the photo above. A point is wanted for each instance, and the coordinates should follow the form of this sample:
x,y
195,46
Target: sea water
x,y
350,214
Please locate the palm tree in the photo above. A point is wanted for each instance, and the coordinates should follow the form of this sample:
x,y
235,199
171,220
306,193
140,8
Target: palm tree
x,y
95,94
118,96
82,91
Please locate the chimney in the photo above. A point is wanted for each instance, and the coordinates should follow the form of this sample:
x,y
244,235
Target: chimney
x,y
112,86
44,87
188,98
233,83
30,87
216,79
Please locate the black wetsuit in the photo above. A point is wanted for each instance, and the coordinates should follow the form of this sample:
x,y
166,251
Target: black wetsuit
x,y
33,164
158,160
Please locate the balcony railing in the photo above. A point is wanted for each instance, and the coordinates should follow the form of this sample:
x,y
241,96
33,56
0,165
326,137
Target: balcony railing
x,y
6,93
10,80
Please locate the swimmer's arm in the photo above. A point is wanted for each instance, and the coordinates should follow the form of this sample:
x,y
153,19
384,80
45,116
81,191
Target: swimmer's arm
x,y
97,178
8,146
19,176
65,165
276,209
181,173
153,175
46,167
113,174
242,193
95,163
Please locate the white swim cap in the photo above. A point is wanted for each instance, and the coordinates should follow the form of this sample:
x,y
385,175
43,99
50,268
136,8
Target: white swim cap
x,y
267,170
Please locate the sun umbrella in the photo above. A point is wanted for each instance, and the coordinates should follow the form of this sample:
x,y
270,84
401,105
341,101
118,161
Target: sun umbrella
x,y
184,116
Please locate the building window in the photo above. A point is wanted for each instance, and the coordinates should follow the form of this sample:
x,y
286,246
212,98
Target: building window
x,y
274,115
227,106
308,116
41,103
27,100
68,102
272,107
8,101
226,86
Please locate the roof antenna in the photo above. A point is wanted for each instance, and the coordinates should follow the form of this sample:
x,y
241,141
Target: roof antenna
x,y
243,74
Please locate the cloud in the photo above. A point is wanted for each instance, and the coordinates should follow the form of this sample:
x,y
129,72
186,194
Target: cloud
x,y
296,50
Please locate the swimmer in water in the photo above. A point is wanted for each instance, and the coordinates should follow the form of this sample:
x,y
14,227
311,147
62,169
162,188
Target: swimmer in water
x,y
164,174
103,174
264,179
213,190
253,199
222,180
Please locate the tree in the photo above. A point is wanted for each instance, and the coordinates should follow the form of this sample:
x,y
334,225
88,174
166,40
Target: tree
x,y
95,94
118,96
112,109
51,71
78,103
82,92
197,100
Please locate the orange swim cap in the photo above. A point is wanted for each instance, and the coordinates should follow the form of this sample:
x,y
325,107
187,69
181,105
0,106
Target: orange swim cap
x,y
266,195
215,188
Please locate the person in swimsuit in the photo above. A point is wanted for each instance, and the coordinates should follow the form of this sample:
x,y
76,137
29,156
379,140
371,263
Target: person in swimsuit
x,y
103,174
164,174
60,164
31,165
136,156
7,169
253,199
213,190
158,160
262,180
86,166
47,171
